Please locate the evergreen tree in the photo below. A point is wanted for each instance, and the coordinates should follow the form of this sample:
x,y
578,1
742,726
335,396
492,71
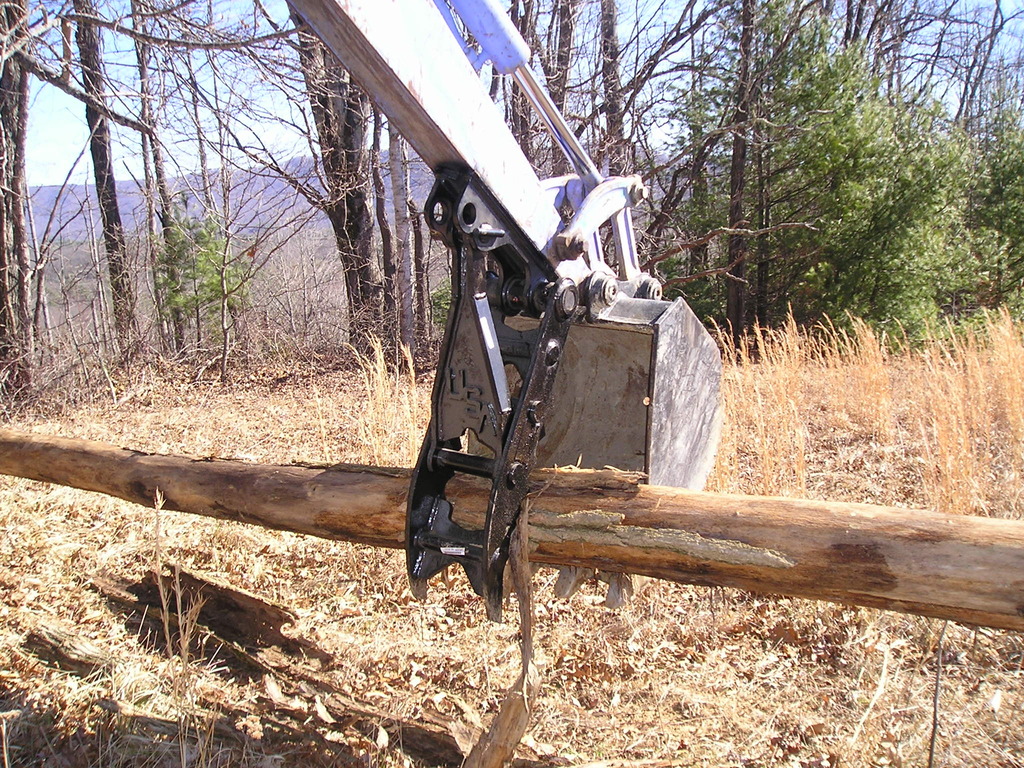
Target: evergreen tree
x,y
189,281
854,202
997,207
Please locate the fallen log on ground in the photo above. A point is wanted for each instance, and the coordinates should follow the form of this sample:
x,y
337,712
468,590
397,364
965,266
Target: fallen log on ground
x,y
967,569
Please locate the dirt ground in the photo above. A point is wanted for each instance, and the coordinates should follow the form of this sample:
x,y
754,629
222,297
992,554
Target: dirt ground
x,y
309,652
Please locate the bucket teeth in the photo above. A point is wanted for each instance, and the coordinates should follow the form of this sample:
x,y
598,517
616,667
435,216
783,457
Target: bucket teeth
x,y
620,589
570,579
621,586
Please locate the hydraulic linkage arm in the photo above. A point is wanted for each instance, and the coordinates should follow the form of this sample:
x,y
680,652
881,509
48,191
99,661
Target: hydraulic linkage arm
x,y
497,274
531,292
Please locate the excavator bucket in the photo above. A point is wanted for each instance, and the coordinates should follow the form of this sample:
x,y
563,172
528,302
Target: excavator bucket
x,y
634,386
638,390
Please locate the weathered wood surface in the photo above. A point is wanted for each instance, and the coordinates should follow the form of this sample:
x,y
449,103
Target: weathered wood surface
x,y
967,569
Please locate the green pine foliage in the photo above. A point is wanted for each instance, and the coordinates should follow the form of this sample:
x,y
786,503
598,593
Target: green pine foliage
x,y
882,189
997,208
194,274
869,201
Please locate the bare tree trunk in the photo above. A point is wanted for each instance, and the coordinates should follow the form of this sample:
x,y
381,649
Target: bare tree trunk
x,y
158,194
699,260
227,288
341,111
41,326
855,10
41,323
100,310
520,116
122,287
398,161
390,325
419,249
764,221
565,12
24,273
976,72
616,149
204,164
153,239
15,274
559,65
736,309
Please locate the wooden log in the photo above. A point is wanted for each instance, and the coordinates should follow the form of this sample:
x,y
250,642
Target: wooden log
x,y
967,569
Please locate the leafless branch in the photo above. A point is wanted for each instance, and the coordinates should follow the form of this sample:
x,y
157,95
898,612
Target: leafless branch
x,y
223,44
728,231
49,75
724,271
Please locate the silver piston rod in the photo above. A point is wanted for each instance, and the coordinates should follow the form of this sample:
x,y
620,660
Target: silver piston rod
x,y
502,43
557,127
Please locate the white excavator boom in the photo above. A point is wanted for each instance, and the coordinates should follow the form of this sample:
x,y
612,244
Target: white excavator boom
x,y
553,354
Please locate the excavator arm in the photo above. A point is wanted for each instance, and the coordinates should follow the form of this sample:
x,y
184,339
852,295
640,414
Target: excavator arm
x,y
552,353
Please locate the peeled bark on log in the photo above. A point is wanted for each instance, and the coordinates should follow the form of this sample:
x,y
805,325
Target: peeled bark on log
x,y
967,569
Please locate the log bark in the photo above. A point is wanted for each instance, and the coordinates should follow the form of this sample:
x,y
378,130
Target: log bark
x,y
967,569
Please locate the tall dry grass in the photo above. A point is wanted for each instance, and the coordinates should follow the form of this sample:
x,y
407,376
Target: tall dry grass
x,y
861,357
764,435
689,675
945,414
1006,343
390,427
974,448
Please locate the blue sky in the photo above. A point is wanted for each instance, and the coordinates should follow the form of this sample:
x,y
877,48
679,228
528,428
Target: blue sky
x,y
58,133
58,136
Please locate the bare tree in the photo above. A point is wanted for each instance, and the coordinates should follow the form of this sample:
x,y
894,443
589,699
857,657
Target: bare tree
x,y
122,286
15,318
735,313
158,195
391,299
398,163
519,112
616,148
422,279
558,63
979,62
341,112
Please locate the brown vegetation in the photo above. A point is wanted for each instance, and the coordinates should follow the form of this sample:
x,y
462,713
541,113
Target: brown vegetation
x,y
690,675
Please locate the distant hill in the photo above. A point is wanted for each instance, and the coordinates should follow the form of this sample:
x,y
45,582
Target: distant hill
x,y
259,199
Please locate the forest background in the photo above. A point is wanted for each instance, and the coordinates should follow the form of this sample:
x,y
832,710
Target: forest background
x,y
236,209
824,160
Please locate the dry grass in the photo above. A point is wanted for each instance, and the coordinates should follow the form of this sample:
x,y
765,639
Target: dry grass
x,y
699,677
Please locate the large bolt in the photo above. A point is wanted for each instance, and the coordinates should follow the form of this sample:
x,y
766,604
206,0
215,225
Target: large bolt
x,y
516,474
552,352
567,301
648,288
609,290
601,293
